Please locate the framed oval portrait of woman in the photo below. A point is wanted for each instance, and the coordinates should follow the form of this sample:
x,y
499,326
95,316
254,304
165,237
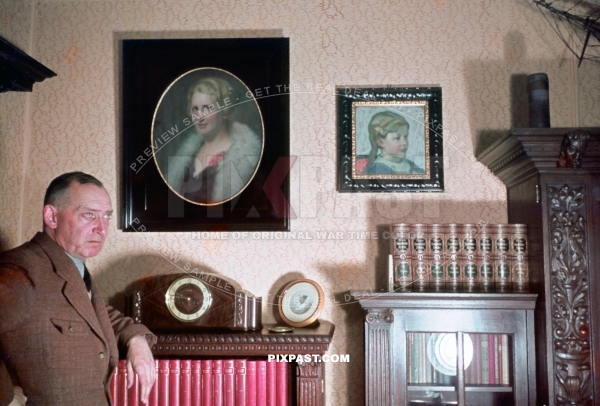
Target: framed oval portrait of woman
x,y
207,136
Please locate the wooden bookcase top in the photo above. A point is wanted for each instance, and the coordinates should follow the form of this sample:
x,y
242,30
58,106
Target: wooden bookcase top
x,y
212,343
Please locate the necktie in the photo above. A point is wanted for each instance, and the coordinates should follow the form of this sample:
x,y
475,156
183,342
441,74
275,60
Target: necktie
x,y
87,279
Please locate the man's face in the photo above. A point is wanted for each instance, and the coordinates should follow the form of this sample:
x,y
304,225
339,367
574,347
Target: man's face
x,y
80,222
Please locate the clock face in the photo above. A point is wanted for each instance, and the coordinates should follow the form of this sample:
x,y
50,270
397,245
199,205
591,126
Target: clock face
x,y
188,298
301,302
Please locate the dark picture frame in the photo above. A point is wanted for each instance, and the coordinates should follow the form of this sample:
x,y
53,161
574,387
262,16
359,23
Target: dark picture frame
x,y
153,123
390,139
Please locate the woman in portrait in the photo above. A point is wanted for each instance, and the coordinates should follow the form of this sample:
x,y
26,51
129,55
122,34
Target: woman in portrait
x,y
219,158
388,135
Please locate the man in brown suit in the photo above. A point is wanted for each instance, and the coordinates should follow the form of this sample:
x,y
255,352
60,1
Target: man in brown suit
x,y
58,338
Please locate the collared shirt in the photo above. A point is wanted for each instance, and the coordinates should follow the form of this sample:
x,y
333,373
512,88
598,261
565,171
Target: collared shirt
x,y
80,264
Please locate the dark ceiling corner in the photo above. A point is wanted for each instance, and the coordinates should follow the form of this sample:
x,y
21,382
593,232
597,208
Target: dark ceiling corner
x,y
19,71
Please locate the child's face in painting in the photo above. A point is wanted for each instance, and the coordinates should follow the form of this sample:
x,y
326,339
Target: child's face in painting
x,y
395,144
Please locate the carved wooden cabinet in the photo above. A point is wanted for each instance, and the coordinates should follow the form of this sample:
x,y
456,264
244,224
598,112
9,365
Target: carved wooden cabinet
x,y
424,348
552,176
308,377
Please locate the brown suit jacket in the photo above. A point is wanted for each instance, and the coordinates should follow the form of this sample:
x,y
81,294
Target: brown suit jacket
x,y
55,343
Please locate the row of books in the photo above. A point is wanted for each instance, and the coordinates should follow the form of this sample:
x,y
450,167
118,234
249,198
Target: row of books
x,y
459,253
420,369
427,269
482,240
430,361
208,382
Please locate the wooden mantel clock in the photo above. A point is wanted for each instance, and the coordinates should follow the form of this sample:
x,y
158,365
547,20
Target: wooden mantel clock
x,y
181,302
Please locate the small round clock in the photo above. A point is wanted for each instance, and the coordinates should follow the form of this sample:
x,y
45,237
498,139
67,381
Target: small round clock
x,y
301,302
187,298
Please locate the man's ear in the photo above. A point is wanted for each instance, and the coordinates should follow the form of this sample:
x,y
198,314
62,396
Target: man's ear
x,y
50,213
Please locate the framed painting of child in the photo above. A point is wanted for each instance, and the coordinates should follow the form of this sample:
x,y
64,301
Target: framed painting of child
x,y
390,139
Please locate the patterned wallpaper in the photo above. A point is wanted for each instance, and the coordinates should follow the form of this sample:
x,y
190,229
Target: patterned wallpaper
x,y
476,50
15,128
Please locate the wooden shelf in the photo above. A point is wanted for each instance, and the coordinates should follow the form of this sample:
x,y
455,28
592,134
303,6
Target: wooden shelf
x,y
251,343
18,70
225,343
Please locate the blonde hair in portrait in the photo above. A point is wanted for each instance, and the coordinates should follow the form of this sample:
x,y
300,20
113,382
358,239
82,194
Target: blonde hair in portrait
x,y
380,126
220,90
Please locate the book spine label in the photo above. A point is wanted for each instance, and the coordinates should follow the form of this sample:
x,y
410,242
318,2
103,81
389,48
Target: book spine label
x,y
251,382
240,382
186,383
229,382
217,382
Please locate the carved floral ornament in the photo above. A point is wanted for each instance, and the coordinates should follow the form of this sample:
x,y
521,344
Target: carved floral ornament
x,y
570,295
380,316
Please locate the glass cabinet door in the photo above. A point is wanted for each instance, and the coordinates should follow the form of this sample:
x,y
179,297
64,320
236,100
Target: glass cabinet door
x,y
439,372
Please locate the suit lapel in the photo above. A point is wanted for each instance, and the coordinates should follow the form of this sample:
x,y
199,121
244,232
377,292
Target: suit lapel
x,y
74,290
105,322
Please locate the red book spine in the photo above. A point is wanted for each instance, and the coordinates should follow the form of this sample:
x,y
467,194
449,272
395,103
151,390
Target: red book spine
x,y
163,382
261,383
217,382
240,382
251,377
174,381
153,397
123,398
229,382
186,383
282,383
134,392
491,358
197,383
207,389
271,384
114,387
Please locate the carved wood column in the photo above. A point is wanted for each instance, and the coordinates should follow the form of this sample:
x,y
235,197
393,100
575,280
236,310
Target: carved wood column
x,y
552,176
378,324
310,383
569,289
